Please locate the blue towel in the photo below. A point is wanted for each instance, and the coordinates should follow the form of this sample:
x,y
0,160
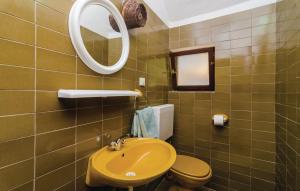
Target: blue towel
x,y
144,123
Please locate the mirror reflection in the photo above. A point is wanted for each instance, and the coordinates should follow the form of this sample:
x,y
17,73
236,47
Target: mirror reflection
x,y
102,42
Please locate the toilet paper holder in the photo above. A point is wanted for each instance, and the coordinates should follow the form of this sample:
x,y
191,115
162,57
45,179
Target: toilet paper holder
x,y
225,119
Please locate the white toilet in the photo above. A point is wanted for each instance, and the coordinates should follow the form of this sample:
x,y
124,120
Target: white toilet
x,y
188,172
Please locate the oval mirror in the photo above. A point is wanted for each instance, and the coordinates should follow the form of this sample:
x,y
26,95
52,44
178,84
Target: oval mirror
x,y
100,47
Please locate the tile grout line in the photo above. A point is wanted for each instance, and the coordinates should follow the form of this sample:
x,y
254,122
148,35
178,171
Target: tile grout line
x,y
76,123
35,96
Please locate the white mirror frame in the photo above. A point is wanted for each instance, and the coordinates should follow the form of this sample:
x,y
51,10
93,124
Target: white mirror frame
x,y
76,38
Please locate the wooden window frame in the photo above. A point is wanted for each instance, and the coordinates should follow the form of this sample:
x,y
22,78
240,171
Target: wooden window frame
x,y
211,57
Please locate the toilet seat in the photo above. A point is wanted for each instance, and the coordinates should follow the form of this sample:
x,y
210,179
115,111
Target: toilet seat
x,y
191,167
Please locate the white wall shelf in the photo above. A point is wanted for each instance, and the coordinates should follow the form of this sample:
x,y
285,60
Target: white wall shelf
x,y
62,93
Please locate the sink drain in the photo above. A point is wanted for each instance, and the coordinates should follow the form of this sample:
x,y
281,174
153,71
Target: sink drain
x,y
130,174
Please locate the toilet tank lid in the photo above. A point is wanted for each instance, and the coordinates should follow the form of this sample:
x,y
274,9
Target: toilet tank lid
x,y
191,166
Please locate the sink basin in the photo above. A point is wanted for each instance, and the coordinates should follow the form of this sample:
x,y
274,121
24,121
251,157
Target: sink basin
x,y
140,161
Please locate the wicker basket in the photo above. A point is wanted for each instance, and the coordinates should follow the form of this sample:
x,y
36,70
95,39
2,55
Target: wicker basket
x,y
134,14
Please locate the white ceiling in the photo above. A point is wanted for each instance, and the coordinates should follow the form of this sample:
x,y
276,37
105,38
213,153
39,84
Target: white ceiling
x,y
182,12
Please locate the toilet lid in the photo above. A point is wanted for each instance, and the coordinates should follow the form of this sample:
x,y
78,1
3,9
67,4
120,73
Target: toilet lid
x,y
191,166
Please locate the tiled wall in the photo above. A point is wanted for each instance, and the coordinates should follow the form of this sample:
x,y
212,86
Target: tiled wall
x,y
242,155
45,142
287,95
96,45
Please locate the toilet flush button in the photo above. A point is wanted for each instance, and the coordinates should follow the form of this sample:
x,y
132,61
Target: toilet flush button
x,y
130,174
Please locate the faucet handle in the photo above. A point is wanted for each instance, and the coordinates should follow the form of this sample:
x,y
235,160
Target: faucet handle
x,y
121,141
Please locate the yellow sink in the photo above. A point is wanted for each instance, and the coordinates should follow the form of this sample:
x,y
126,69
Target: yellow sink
x,y
140,161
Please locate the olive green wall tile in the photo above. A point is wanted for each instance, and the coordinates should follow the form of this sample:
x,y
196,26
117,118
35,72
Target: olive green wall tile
x,y
68,186
54,41
16,102
47,80
10,78
240,123
62,6
263,155
52,19
89,82
245,91
14,127
263,126
58,67
83,69
10,49
11,177
24,9
25,187
55,140
47,101
111,111
88,115
263,116
80,183
112,124
112,83
50,121
56,178
88,131
86,148
11,26
49,60
263,145
54,160
16,150
263,136
81,166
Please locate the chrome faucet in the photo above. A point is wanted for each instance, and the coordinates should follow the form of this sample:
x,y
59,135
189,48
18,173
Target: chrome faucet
x,y
117,145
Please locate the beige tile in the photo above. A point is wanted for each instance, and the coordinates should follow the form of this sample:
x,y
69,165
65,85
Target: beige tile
x,y
11,26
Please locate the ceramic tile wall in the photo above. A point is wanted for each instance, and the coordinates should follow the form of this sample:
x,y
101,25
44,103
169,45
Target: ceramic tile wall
x,y
45,142
287,95
242,155
96,45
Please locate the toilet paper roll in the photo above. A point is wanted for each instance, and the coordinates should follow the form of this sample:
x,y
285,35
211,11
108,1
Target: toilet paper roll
x,y
218,120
